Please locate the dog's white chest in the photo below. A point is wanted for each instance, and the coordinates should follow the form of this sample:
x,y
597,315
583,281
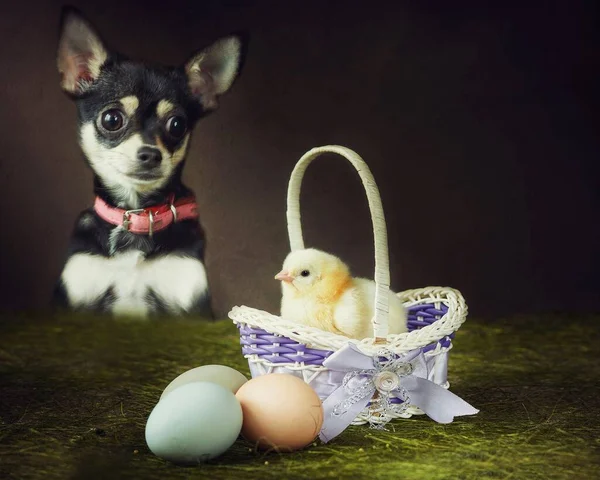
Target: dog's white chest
x,y
177,281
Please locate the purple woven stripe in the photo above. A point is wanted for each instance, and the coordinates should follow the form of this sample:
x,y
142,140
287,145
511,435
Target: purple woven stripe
x,y
420,316
285,352
428,309
305,359
264,337
278,349
444,342
256,341
290,349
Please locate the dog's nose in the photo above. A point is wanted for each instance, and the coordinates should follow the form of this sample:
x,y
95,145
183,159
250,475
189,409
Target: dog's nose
x,y
149,157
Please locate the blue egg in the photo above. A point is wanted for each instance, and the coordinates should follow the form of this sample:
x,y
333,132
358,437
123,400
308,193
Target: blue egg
x,y
194,423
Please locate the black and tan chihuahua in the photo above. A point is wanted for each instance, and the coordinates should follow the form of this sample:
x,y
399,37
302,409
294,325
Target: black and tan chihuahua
x,y
140,249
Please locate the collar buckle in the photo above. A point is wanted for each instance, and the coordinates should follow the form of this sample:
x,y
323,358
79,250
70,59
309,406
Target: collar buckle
x,y
126,219
127,214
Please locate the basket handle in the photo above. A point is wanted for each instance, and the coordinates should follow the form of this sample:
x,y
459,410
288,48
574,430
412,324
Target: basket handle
x,y
382,267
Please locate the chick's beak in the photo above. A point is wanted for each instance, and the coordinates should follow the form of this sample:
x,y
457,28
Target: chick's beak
x,y
284,276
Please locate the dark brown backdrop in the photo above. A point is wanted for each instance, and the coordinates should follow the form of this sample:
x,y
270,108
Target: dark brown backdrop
x,y
477,123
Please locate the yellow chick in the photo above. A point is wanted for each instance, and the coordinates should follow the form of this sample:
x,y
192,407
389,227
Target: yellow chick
x,y
318,291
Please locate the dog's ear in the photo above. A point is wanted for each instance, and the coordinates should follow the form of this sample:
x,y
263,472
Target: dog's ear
x,y
81,53
212,71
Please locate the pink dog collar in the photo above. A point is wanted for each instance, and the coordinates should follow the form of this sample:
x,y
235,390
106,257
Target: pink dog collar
x,y
146,221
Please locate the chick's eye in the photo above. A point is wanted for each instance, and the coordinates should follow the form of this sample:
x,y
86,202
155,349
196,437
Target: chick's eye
x,y
112,120
305,273
176,126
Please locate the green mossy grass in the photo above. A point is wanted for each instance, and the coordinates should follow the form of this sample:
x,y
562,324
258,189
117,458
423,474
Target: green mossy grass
x,y
75,393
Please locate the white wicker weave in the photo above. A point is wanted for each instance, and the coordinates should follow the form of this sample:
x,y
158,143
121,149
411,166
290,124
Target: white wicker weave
x,y
430,336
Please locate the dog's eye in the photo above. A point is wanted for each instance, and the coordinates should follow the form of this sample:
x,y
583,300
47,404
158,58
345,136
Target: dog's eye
x,y
112,120
176,126
305,273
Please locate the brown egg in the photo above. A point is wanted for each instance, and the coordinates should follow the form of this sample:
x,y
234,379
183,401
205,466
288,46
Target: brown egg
x,y
280,411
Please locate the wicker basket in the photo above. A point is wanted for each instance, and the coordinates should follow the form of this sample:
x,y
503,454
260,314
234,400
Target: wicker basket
x,y
274,345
